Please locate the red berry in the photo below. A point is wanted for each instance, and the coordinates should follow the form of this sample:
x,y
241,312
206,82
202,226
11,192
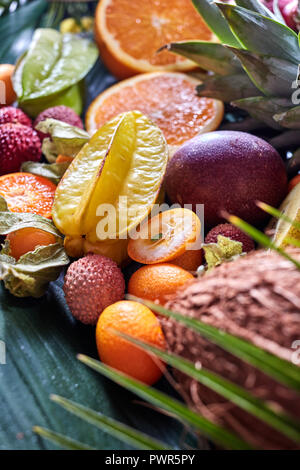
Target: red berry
x,y
14,115
18,144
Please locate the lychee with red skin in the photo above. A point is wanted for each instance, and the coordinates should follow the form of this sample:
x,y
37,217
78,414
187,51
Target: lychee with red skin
x,y
232,232
18,144
60,113
92,283
14,116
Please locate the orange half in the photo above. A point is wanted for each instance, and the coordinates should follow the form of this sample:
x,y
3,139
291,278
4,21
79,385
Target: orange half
x,y
165,236
168,98
129,33
25,192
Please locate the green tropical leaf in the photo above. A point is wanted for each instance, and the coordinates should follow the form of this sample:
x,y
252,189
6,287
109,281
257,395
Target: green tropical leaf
x,y
215,21
116,429
210,56
232,392
61,440
66,61
272,76
17,28
262,35
218,434
277,368
42,340
227,88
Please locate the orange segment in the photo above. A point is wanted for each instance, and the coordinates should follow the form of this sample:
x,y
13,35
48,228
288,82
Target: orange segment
x,y
168,98
129,33
25,192
165,236
158,282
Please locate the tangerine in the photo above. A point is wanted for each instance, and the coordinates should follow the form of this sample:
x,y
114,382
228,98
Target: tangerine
x,y
157,282
135,320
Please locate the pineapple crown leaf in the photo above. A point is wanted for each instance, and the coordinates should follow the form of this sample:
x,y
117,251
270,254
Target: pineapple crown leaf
x,y
215,21
210,56
261,59
290,118
260,34
271,75
257,7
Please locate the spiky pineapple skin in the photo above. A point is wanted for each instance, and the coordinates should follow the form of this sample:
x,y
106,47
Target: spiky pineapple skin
x,y
256,298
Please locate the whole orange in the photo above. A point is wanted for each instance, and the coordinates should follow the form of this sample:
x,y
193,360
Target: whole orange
x,y
157,282
27,239
135,320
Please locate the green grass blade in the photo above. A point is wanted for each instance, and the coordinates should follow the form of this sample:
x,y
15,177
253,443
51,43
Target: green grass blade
x,y
278,214
283,371
232,392
111,426
216,433
292,241
62,441
260,237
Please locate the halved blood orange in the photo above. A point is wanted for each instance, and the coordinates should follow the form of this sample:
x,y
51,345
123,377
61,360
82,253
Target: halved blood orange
x,y
168,98
165,236
25,192
129,33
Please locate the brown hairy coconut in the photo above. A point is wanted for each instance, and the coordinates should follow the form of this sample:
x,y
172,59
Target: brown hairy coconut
x,y
257,298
